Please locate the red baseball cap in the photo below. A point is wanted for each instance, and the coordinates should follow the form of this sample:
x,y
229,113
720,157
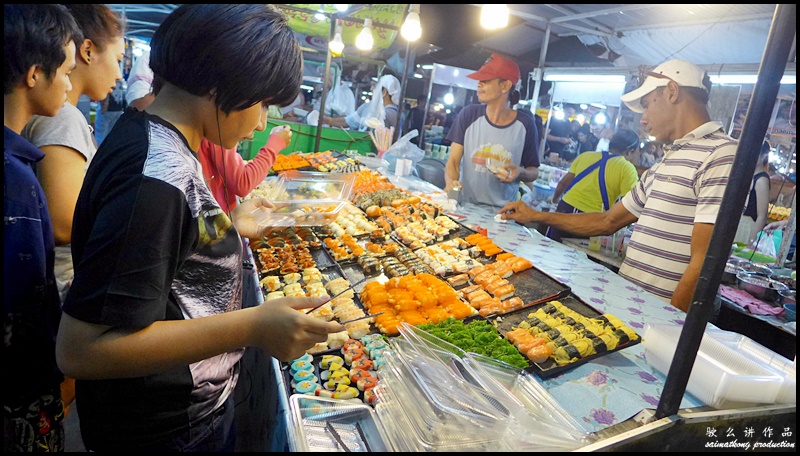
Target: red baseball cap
x,y
497,67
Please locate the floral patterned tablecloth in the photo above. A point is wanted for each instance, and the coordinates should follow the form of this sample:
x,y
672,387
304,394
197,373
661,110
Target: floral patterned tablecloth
x,y
612,388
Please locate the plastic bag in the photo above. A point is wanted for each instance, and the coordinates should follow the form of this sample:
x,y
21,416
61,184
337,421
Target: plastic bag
x,y
341,103
769,243
404,148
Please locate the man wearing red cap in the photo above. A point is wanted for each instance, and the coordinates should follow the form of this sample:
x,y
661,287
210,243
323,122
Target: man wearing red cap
x,y
489,133
676,202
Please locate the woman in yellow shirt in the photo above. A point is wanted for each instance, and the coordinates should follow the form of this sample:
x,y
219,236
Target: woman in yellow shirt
x,y
596,180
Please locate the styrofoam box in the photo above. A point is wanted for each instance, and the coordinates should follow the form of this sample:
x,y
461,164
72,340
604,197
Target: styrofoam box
x,y
730,371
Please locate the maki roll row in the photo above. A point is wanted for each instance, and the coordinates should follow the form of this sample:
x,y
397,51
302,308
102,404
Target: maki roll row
x,y
572,336
370,264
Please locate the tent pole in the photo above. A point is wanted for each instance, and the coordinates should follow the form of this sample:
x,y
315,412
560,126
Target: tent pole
x,y
773,65
427,107
540,73
324,86
408,61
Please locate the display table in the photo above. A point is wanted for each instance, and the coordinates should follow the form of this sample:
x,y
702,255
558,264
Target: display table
x,y
613,262
601,393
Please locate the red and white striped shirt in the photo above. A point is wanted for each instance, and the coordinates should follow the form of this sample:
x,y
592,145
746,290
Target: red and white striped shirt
x,y
684,189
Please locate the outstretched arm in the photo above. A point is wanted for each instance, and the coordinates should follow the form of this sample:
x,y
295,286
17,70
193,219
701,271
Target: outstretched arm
x,y
91,351
242,177
588,224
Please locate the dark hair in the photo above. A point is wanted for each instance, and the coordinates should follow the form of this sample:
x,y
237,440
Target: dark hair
x,y
98,23
243,54
623,140
34,35
765,150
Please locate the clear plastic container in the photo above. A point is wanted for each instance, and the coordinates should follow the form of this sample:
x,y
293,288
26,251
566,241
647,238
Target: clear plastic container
x,y
309,186
299,213
452,399
306,199
730,371
354,424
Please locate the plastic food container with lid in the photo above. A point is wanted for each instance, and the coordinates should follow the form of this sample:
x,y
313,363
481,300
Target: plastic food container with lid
x,y
306,199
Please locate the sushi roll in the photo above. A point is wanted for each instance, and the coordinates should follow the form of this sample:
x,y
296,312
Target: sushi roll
x,y
306,387
352,343
303,375
352,354
358,374
327,360
305,357
367,383
334,366
370,397
336,378
300,365
345,392
362,363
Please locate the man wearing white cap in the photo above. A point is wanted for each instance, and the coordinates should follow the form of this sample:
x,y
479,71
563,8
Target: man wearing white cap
x,y
676,202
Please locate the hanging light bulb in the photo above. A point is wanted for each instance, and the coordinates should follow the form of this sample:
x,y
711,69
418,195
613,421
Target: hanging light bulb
x,y
320,14
449,98
412,29
494,16
337,45
364,39
342,8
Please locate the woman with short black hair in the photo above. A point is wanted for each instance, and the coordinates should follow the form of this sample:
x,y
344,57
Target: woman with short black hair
x,y
153,326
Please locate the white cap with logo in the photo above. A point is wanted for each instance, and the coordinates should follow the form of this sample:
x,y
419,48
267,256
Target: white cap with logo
x,y
685,74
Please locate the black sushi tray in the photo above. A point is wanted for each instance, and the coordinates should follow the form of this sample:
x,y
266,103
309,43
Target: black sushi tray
x,y
549,368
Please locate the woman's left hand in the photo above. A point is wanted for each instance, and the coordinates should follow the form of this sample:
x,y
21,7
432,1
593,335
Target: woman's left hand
x,y
248,217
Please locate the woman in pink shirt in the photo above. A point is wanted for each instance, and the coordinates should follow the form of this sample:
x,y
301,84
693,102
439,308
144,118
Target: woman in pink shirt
x,y
229,176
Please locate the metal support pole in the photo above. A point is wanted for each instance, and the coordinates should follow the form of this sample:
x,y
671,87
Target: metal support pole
x,y
773,64
427,107
540,73
409,60
324,86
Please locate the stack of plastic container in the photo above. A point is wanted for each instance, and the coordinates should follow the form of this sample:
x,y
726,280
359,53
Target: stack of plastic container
x,y
435,397
730,371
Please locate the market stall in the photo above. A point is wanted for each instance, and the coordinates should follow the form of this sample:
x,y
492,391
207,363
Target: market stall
x,y
595,396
